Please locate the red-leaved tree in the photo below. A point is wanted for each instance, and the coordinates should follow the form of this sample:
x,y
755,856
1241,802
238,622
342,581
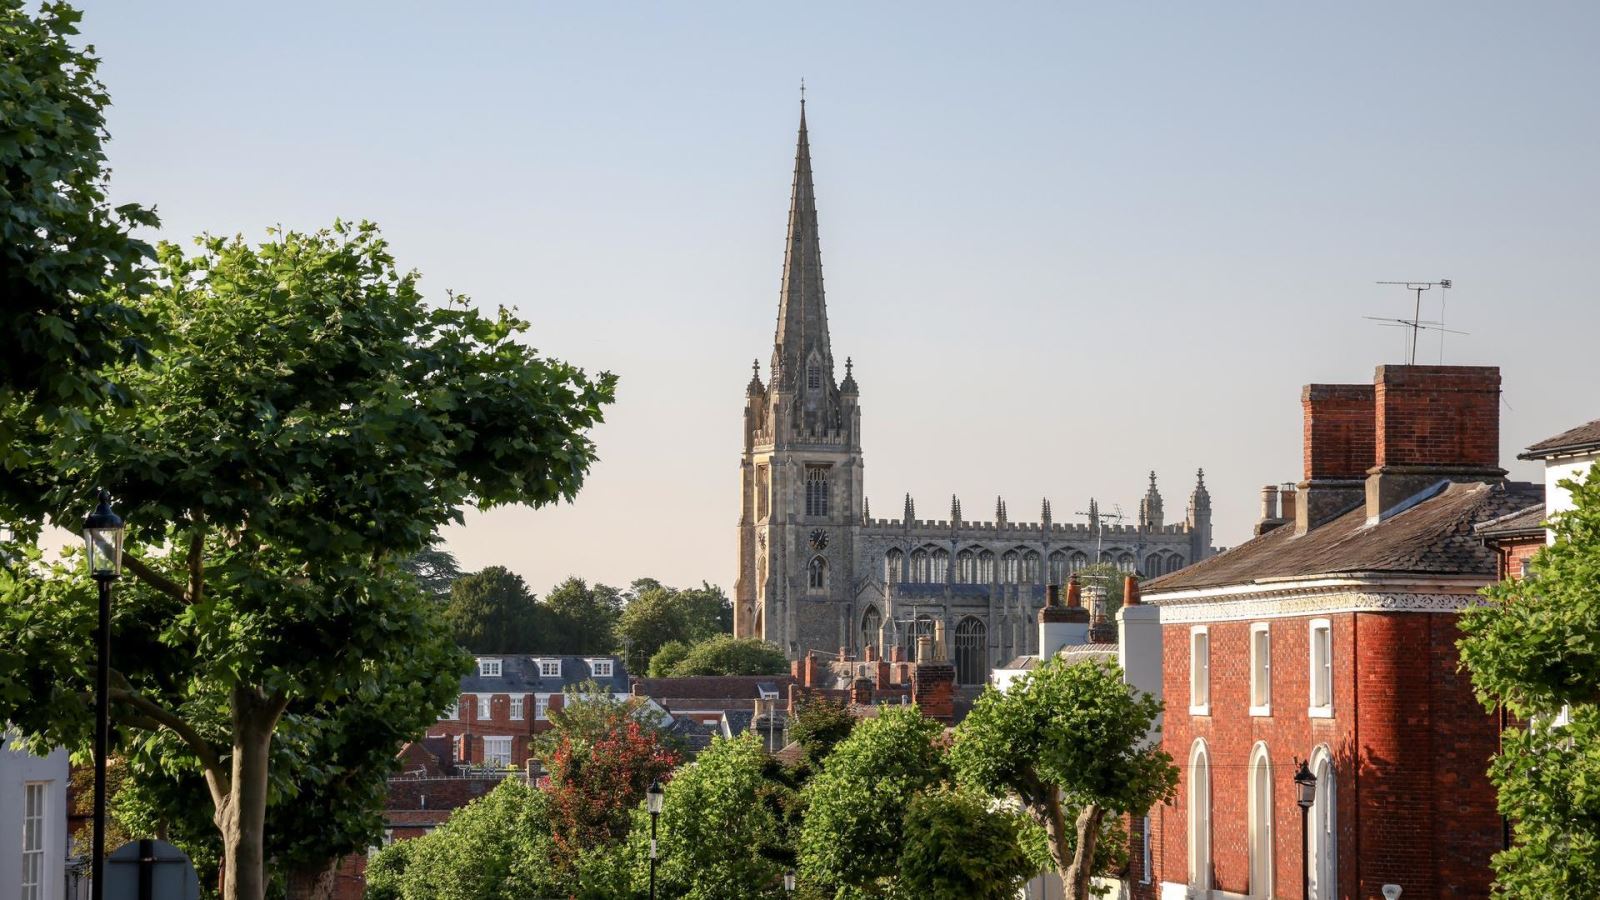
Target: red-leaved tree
x,y
594,787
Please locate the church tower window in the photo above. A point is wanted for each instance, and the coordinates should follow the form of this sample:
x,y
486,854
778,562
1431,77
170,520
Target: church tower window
x,y
761,492
814,376
818,574
972,656
894,566
816,490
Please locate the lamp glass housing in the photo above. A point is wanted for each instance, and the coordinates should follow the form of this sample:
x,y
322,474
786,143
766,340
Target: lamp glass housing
x,y
102,540
1305,785
788,881
654,797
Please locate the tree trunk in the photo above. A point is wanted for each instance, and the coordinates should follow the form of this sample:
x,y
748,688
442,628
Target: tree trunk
x,y
1047,809
314,882
1075,879
242,817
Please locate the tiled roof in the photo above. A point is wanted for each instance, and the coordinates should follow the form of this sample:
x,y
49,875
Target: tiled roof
x,y
1433,537
1522,523
708,687
1575,440
519,674
694,735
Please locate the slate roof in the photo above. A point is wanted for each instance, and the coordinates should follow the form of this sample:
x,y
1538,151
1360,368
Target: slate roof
x,y
1527,522
1435,536
695,736
1575,440
738,720
519,674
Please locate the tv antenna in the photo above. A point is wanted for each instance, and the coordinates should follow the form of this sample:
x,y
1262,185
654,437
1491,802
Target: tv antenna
x,y
1416,323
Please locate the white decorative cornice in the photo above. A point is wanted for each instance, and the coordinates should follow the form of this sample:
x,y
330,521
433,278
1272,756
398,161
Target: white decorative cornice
x,y
1293,604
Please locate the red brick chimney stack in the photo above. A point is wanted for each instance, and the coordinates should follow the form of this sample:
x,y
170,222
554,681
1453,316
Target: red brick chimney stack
x,y
1433,423
1340,440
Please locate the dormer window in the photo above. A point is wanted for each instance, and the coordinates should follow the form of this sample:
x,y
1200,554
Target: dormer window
x,y
489,668
549,668
600,668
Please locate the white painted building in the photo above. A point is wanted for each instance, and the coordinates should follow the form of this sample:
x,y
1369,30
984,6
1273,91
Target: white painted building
x,y
33,823
1568,455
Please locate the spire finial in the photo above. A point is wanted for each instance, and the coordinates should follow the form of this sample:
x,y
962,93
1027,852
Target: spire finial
x,y
849,366
755,367
802,93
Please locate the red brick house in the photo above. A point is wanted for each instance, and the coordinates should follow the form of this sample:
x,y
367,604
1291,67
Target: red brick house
x,y
1331,637
509,699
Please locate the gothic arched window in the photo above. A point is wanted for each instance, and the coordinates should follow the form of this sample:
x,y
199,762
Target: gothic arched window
x,y
817,574
1078,562
1058,567
871,625
1154,564
1125,562
941,566
966,567
985,567
922,627
919,566
1010,567
894,566
816,491
972,651
1174,563
1030,567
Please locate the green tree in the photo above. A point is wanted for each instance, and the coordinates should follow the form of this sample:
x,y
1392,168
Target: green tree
x,y
435,570
1534,649
853,830
818,725
493,611
311,422
657,614
71,272
495,848
725,654
959,847
667,658
714,822
583,619
1065,736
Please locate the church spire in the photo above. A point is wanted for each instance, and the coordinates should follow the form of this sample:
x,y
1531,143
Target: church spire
x,y
802,335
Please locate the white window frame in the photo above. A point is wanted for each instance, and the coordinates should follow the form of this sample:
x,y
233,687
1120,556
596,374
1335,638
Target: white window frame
x,y
493,757
549,668
1319,673
541,707
516,708
1260,838
490,668
34,875
1198,814
1260,669
484,709
601,668
1323,822
1199,672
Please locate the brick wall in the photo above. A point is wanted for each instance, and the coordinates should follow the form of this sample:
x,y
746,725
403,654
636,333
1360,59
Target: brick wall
x,y
470,730
1341,430
1438,416
1410,750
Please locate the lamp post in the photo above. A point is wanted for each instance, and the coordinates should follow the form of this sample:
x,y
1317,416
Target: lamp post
x,y
1305,785
102,540
653,799
788,882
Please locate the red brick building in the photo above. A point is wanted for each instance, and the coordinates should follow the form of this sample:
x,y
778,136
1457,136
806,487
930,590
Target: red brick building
x,y
1331,637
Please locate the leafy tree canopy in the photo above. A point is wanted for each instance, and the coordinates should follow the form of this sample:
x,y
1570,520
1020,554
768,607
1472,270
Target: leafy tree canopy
x,y
495,848
725,654
818,725
70,271
493,611
583,619
852,834
311,420
657,614
1535,648
667,658
435,570
960,846
1076,729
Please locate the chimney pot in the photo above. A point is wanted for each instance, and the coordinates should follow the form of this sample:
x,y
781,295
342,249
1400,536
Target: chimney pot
x,y
1130,591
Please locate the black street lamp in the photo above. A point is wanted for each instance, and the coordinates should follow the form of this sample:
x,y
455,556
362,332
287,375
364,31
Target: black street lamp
x,y
1305,785
102,541
653,798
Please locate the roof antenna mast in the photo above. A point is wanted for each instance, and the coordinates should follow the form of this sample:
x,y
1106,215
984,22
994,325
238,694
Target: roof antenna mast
x,y
1416,323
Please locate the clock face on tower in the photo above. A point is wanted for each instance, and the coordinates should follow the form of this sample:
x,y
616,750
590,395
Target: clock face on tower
x,y
819,539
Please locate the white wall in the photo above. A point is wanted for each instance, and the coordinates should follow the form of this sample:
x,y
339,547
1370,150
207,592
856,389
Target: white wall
x,y
1557,499
16,769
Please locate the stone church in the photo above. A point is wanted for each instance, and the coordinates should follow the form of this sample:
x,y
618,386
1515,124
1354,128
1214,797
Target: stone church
x,y
817,573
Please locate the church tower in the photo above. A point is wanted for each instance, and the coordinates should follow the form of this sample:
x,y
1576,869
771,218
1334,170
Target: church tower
x,y
800,472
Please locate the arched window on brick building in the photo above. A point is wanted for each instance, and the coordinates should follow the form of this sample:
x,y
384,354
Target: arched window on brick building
x,y
1323,828
1199,815
1260,822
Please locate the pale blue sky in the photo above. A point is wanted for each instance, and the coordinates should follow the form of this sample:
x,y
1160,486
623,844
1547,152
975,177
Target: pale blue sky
x,y
1065,243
